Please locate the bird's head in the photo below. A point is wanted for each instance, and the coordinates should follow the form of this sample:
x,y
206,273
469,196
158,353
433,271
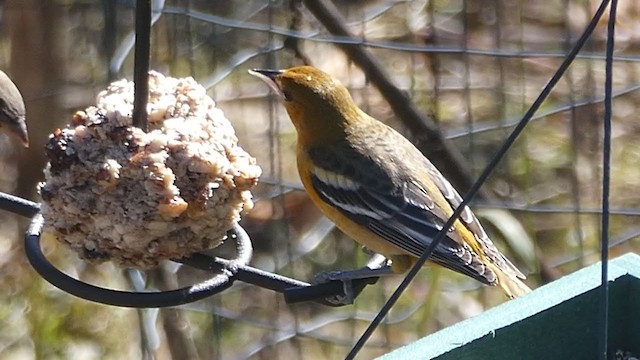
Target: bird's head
x,y
12,111
315,101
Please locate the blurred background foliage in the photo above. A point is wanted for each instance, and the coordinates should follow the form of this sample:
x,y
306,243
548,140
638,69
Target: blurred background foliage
x,y
475,65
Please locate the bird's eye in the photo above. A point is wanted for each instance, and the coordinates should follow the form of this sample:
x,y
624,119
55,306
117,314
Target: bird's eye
x,y
287,95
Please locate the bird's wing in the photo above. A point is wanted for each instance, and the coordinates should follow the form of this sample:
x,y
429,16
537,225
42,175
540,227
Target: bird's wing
x,y
470,221
400,212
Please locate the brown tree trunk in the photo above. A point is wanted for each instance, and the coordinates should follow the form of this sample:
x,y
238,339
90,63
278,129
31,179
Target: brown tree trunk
x,y
35,31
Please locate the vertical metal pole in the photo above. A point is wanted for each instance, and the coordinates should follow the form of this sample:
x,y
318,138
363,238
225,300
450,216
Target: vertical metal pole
x,y
141,63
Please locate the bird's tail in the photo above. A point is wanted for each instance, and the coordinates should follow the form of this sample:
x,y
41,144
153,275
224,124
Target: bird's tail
x,y
512,286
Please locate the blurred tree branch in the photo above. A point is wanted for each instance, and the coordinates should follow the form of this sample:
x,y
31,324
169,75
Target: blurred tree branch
x,y
176,326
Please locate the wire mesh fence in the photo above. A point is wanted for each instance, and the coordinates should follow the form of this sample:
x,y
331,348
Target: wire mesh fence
x,y
469,71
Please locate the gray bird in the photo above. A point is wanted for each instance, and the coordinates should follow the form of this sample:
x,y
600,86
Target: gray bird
x,y
12,112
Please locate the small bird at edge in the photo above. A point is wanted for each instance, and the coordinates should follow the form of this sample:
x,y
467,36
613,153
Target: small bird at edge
x,y
12,111
377,187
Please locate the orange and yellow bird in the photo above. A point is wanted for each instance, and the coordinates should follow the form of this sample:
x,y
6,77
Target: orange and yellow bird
x,y
377,187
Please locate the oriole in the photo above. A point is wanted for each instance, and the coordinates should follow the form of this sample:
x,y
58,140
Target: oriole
x,y
377,187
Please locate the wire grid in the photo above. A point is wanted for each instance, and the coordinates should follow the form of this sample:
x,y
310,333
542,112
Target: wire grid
x,y
475,66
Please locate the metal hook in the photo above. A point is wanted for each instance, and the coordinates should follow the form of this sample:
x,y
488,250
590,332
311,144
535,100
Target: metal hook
x,y
227,272
94,293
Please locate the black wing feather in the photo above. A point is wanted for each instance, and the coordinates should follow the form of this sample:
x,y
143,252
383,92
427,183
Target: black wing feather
x,y
397,213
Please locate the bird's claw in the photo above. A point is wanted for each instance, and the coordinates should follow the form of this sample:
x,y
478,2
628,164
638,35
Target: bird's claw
x,y
348,294
340,299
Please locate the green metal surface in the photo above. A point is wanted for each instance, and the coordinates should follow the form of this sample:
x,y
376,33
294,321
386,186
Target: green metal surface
x,y
556,321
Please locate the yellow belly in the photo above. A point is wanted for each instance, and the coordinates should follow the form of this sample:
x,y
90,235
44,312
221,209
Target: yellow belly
x,y
357,232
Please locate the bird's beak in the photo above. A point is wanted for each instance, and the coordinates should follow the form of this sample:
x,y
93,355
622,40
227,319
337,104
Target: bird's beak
x,y
270,77
19,129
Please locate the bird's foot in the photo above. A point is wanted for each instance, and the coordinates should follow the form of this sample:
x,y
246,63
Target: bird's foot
x,y
376,267
346,298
